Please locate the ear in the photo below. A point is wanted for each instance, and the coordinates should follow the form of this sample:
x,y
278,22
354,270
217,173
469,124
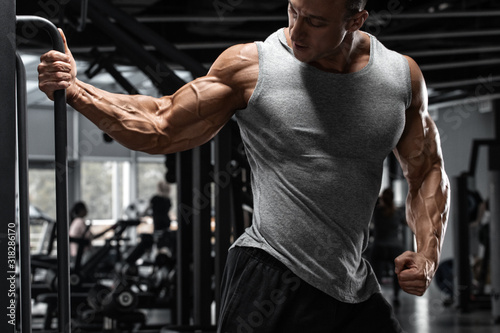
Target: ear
x,y
356,21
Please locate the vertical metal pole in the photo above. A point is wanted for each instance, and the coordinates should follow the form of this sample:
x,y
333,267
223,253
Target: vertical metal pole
x,y
184,235
202,259
61,174
461,265
24,221
494,163
223,211
7,166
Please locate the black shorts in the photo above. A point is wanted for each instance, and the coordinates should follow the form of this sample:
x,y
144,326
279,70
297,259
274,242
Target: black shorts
x,y
261,295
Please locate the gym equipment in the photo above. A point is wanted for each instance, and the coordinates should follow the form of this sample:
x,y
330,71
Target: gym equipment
x,y
8,152
24,223
117,305
463,208
61,186
194,288
461,265
495,229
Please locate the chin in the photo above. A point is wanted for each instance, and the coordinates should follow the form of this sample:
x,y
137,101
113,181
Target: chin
x,y
301,57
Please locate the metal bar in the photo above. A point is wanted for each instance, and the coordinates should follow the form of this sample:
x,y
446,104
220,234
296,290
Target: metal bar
x,y
407,37
61,173
103,61
149,36
459,64
119,78
223,212
179,46
274,18
24,221
208,19
494,244
8,165
460,83
439,15
83,16
463,101
496,109
163,77
184,235
202,259
454,51
461,265
237,206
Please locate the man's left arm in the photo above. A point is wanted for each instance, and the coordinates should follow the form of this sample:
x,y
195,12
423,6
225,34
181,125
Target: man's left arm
x,y
427,204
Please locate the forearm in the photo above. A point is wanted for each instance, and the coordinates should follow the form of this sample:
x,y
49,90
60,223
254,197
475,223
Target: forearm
x,y
144,123
427,212
128,119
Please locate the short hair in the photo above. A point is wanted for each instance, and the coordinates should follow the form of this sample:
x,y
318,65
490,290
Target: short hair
x,y
163,188
79,209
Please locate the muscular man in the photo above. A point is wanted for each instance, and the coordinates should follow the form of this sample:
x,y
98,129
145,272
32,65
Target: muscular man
x,y
320,104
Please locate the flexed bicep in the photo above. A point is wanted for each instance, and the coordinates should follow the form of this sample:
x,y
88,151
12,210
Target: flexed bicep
x,y
196,113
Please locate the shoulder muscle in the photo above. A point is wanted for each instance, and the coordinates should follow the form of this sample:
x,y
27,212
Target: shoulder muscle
x,y
418,87
238,67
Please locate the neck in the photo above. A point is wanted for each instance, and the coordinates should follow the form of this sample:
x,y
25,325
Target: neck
x,y
343,60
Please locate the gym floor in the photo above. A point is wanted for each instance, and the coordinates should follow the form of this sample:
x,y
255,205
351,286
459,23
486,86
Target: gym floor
x,y
428,314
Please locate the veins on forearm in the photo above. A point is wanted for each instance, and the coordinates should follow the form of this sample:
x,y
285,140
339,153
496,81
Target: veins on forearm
x,y
428,212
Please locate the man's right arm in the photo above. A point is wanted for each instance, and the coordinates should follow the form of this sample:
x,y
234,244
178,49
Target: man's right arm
x,y
188,118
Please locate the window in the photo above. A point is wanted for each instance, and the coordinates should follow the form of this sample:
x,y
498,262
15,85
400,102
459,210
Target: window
x,y
105,188
42,190
108,187
148,176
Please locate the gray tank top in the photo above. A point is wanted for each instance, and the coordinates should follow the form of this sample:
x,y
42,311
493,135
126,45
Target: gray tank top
x,y
316,143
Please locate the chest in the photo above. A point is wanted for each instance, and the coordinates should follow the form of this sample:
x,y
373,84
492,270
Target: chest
x,y
346,119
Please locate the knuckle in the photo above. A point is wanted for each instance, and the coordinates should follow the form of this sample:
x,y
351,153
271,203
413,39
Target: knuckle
x,y
49,56
58,76
60,67
40,68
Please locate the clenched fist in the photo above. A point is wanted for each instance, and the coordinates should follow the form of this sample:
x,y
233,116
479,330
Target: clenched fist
x,y
57,71
415,272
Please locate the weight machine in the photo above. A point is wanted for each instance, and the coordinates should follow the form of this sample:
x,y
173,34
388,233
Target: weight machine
x,y
465,298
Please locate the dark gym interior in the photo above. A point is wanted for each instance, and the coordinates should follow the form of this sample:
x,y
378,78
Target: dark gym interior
x,y
138,279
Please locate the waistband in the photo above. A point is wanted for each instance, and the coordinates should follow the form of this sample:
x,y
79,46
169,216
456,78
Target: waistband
x,y
261,256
